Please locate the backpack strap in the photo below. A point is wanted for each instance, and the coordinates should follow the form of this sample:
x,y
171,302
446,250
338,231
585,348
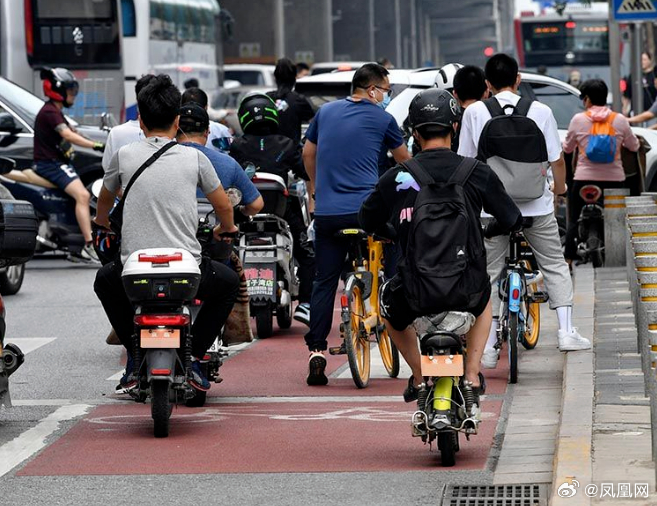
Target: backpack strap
x,y
523,105
494,107
418,172
463,171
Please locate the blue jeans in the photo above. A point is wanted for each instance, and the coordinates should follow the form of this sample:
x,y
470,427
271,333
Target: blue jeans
x,y
330,255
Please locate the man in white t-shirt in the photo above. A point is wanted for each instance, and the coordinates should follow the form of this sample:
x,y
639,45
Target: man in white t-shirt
x,y
503,79
128,132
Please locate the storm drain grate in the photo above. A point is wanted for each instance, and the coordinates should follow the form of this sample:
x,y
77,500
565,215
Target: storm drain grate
x,y
495,495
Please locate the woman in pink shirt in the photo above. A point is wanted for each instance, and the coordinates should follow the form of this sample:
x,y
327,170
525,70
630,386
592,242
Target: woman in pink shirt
x,y
605,175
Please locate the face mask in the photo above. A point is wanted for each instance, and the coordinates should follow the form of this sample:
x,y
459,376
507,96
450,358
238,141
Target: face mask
x,y
386,101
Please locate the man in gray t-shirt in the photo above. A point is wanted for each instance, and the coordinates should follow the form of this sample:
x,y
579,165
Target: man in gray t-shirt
x,y
161,211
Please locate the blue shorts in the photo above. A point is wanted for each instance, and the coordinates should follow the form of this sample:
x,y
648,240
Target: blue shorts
x,y
58,173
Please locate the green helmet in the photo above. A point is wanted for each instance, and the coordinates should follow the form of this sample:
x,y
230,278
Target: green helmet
x,y
257,112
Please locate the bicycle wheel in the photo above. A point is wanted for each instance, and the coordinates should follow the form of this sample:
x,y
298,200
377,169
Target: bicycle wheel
x,y
512,343
388,350
529,337
356,345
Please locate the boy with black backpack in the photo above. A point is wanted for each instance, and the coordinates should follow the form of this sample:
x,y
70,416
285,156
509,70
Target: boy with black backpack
x,y
519,139
434,202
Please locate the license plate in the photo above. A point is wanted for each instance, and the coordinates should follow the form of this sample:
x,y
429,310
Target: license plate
x,y
442,365
160,338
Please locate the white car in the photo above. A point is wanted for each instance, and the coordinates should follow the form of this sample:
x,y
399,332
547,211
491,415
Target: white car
x,y
250,74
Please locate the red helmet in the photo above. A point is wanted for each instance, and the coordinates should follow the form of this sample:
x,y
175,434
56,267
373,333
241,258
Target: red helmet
x,y
56,82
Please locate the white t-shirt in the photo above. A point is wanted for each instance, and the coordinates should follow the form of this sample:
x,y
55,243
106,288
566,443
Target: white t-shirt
x,y
217,131
120,136
477,115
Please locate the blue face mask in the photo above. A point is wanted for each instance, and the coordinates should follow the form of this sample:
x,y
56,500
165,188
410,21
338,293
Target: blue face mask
x,y
386,101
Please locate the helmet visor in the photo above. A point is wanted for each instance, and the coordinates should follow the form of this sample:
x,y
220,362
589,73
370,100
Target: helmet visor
x,y
73,88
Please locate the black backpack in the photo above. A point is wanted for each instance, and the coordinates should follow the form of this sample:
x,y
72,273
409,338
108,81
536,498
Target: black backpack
x,y
514,147
445,264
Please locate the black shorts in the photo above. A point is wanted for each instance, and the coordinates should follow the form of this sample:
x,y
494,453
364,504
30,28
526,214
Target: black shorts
x,y
395,308
58,173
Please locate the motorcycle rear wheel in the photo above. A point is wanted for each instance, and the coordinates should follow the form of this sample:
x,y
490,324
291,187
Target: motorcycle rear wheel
x,y
160,407
284,316
264,323
447,444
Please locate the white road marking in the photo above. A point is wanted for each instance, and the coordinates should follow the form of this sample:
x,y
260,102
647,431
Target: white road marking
x,y
29,344
31,441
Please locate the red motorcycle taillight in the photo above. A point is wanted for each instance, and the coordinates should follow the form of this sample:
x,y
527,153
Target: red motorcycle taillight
x,y
162,320
160,259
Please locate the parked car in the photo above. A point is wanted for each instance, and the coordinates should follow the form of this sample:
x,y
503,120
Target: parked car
x,y
335,66
250,74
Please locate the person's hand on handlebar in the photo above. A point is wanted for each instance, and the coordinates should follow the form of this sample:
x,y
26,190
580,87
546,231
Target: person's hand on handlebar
x,y
225,234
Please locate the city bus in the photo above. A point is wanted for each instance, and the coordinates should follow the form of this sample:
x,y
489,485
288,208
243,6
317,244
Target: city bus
x,y
577,39
176,37
81,35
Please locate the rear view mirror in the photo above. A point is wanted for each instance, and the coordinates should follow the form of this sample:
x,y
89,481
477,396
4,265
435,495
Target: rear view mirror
x,y
6,165
8,124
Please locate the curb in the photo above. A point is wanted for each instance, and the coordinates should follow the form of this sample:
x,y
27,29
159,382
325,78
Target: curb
x,y
573,454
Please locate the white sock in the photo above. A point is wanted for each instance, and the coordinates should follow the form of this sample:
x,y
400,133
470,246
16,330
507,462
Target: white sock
x,y
565,317
492,337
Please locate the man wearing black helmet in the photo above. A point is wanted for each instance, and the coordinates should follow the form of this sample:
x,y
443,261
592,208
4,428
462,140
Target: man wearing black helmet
x,y
53,152
434,115
268,151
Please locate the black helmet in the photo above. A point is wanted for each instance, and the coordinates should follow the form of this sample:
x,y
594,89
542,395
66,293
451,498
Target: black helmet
x,y
433,107
257,111
56,82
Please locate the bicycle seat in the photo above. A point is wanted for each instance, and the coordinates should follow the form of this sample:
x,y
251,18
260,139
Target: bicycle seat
x,y
352,233
439,341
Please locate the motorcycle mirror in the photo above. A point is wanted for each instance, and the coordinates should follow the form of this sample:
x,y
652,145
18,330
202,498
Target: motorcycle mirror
x,y
6,165
234,195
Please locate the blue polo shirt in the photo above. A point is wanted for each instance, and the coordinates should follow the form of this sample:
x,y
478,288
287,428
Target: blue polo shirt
x,y
349,136
231,173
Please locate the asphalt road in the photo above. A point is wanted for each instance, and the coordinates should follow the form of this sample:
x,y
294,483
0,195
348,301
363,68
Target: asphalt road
x,y
263,437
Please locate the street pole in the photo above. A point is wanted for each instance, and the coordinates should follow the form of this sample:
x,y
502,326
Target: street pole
x,y
328,14
637,72
371,31
279,28
398,42
614,60
413,34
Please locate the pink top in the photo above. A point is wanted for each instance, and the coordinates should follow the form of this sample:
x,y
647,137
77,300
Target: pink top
x,y
578,136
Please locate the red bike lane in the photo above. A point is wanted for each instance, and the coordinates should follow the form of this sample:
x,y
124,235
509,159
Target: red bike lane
x,y
264,418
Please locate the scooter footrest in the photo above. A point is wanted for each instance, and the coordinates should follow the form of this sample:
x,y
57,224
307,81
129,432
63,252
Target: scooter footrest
x,y
539,297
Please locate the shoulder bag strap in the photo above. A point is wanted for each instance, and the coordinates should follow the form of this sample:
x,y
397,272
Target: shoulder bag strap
x,y
463,171
145,165
494,107
523,105
418,172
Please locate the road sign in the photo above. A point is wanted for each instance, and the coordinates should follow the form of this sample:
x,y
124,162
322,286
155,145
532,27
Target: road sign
x,y
635,10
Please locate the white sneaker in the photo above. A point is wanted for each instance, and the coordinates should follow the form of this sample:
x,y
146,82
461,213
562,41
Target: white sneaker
x,y
572,341
302,313
489,358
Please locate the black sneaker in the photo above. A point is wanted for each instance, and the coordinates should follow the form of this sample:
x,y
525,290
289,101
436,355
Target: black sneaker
x,y
316,369
410,394
197,379
128,381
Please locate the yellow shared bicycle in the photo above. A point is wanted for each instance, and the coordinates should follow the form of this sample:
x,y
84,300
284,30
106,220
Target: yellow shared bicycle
x,y
361,320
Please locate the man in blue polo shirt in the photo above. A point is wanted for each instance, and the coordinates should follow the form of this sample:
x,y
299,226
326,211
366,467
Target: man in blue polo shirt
x,y
341,157
193,130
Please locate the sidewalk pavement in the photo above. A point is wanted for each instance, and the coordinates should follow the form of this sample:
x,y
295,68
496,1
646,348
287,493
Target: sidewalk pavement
x,y
604,432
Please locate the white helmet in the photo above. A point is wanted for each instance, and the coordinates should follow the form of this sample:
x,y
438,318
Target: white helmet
x,y
445,76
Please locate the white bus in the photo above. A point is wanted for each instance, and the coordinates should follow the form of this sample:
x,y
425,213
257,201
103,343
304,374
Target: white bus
x,y
176,37
80,35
